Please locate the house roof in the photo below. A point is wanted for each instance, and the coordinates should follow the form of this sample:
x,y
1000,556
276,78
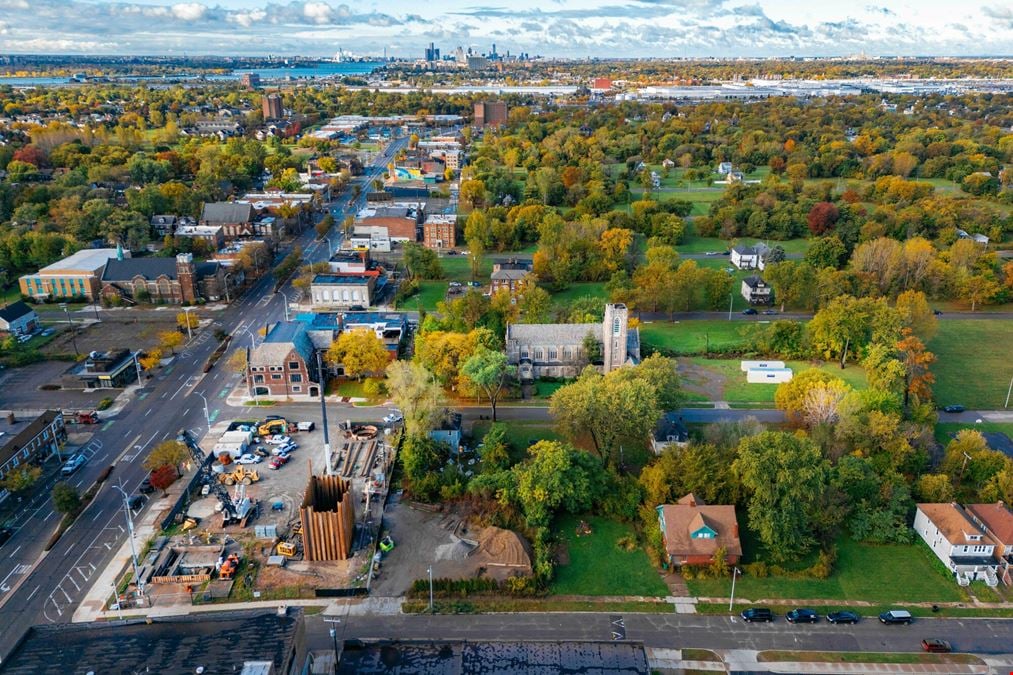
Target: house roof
x,y
680,520
21,432
215,643
152,268
552,333
15,311
227,212
87,259
283,338
996,518
951,521
343,279
670,424
508,274
754,281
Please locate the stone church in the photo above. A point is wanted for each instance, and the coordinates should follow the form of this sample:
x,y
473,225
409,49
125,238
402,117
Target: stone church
x,y
558,349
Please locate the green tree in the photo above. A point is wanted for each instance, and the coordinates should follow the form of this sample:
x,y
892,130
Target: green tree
x,y
21,479
66,498
785,476
934,488
556,476
421,262
417,394
324,226
359,352
916,314
489,370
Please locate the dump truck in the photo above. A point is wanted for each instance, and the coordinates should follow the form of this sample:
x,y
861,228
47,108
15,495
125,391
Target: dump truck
x,y
239,475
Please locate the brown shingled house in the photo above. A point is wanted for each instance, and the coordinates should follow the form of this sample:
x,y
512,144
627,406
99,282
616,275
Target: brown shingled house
x,y
694,531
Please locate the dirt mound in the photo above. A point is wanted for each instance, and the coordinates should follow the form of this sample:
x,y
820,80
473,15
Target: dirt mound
x,y
503,553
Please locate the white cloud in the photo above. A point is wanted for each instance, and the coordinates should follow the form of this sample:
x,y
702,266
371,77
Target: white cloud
x,y
318,12
3,27
189,11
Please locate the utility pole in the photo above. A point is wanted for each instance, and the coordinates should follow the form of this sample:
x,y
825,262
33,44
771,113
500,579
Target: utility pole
x,y
333,631
430,570
130,536
731,299
1008,392
186,313
207,416
731,601
73,330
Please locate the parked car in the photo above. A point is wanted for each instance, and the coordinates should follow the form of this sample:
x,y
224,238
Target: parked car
x,y
802,615
843,616
146,488
278,439
135,502
896,616
393,418
711,253
936,312
749,311
5,534
954,409
455,284
249,459
73,464
936,646
47,332
475,284
279,461
770,312
753,614
284,449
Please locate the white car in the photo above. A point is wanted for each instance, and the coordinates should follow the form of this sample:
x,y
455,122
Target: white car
x,y
393,418
284,449
278,440
249,459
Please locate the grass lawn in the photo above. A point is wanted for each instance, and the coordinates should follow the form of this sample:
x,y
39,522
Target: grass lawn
x,y
547,389
597,566
519,435
458,268
579,290
972,368
875,573
694,336
430,293
945,431
737,390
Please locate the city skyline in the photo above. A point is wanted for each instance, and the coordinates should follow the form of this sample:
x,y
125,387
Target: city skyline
x,y
612,28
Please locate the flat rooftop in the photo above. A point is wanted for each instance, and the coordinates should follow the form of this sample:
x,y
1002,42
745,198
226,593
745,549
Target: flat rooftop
x,y
86,259
340,279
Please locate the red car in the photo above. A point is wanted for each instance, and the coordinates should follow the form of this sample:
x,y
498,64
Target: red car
x,y
278,461
937,646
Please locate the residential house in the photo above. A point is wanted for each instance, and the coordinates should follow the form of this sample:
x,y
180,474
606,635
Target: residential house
x,y
284,364
669,431
213,234
440,231
449,431
325,327
235,219
18,318
694,532
756,291
963,547
75,277
508,275
29,440
163,280
977,237
113,369
343,290
749,257
281,206
996,520
164,224
558,350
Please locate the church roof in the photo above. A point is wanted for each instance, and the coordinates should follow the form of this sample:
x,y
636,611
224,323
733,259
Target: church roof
x,y
552,333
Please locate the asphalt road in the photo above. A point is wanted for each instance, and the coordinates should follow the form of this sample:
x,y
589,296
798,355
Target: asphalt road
x,y
674,631
44,589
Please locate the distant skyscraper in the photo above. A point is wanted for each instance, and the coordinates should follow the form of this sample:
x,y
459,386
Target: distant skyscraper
x,y
432,53
273,109
250,80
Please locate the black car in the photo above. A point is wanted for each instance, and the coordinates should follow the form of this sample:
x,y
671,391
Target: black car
x,y
770,312
757,614
936,312
843,616
146,487
896,616
954,409
135,502
802,615
749,311
5,534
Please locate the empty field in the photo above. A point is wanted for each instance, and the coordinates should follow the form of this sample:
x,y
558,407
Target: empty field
x,y
973,365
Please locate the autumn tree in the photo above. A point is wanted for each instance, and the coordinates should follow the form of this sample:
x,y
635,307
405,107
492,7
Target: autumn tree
x,y
811,397
187,320
170,339
21,479
977,289
916,314
151,359
417,394
359,352
324,226
238,361
916,361
785,476
163,477
167,453
822,217
490,371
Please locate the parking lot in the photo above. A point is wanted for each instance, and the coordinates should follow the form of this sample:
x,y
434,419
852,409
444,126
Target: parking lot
x,y
132,331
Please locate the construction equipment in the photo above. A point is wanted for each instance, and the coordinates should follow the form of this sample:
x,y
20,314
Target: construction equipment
x,y
270,427
229,567
286,548
240,476
188,524
230,511
387,544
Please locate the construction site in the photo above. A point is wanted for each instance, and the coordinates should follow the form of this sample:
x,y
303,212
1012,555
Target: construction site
x,y
264,518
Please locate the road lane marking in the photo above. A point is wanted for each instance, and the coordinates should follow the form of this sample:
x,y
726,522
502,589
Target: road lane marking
x,y
65,594
48,516
15,551
105,427
148,412
36,590
97,514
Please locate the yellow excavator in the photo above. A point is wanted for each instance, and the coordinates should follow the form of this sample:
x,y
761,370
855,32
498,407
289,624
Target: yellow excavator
x,y
270,427
239,475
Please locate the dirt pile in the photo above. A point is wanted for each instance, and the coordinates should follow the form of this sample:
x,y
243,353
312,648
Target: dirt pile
x,y
503,553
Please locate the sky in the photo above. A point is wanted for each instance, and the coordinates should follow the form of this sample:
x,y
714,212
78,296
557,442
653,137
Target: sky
x,y
565,28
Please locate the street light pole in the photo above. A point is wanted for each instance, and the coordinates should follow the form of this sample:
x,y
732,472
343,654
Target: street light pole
x,y
207,416
1008,392
130,536
186,313
73,331
333,631
731,601
731,299
430,570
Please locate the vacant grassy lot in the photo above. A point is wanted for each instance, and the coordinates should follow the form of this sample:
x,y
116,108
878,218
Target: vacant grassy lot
x,y
874,573
972,366
738,390
430,293
579,290
598,566
945,431
519,435
695,336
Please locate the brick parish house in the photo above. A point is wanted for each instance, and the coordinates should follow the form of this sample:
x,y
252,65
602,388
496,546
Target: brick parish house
x,y
440,231
508,275
694,531
163,280
284,365
235,219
